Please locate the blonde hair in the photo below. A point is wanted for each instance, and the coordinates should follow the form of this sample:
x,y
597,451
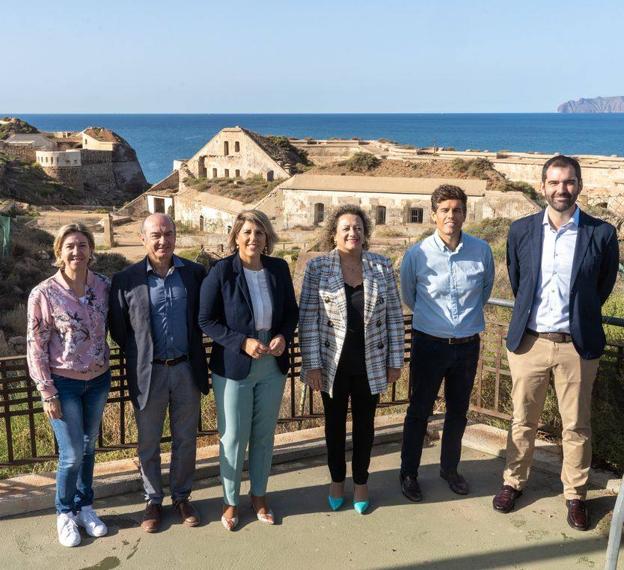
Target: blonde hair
x,y
259,219
63,233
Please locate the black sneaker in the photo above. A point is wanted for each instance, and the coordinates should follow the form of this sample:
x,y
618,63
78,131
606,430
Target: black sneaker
x,y
410,488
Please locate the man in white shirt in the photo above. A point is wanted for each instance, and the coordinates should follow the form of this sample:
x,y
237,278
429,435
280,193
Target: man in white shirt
x,y
562,266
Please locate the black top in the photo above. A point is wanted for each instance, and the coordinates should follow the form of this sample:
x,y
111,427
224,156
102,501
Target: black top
x,y
352,356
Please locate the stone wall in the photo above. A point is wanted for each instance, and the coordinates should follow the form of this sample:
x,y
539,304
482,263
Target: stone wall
x,y
67,175
189,211
299,206
249,159
18,152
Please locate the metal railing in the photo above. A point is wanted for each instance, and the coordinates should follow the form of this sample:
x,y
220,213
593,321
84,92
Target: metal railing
x,y
27,438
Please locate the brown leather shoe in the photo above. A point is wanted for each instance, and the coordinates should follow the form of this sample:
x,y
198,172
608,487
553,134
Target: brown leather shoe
x,y
578,516
151,517
456,482
505,499
187,513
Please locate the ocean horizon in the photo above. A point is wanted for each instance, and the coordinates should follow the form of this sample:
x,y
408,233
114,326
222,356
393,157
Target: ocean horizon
x,y
160,138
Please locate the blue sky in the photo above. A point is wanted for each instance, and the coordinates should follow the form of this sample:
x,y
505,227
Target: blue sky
x,y
239,56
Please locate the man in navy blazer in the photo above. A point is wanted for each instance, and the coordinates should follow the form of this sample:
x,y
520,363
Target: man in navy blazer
x,y
153,318
562,265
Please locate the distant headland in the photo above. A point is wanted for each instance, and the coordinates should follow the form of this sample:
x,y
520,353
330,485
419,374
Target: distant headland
x,y
594,105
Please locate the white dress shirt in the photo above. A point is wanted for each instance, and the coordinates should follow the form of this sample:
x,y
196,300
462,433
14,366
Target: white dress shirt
x,y
260,298
551,304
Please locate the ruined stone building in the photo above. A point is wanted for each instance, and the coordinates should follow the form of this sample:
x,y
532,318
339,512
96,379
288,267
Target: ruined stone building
x,y
307,198
235,152
95,160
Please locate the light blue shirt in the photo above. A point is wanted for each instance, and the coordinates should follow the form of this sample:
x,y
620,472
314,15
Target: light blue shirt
x,y
167,298
551,305
448,289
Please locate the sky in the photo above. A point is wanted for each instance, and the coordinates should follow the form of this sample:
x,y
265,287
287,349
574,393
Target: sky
x,y
321,56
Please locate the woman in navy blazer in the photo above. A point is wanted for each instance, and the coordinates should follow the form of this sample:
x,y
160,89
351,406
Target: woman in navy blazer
x,y
248,308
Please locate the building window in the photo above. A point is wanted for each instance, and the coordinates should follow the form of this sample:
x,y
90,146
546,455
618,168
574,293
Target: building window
x,y
159,205
236,146
269,176
214,173
201,223
380,215
237,173
319,212
226,148
416,216
226,173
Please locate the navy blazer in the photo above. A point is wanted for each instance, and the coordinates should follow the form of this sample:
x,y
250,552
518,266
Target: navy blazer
x,y
130,326
594,270
226,313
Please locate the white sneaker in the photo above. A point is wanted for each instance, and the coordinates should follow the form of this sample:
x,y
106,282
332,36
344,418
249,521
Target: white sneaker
x,y
88,520
68,533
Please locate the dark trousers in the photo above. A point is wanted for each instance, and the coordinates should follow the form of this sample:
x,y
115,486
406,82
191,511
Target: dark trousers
x,y
363,406
432,361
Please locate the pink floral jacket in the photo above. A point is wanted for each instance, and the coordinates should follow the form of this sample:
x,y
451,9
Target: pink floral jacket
x,y
67,335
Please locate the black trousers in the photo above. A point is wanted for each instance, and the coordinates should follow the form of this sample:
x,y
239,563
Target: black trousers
x,y
432,361
363,406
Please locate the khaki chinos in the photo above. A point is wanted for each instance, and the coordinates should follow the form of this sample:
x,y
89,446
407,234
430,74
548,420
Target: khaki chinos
x,y
531,366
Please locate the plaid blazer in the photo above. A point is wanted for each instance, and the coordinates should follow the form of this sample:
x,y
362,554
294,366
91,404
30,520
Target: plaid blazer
x,y
323,319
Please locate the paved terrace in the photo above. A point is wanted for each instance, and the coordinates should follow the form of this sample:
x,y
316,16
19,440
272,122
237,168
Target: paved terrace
x,y
444,532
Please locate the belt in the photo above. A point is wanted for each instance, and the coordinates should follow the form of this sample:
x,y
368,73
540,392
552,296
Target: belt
x,y
557,337
454,340
171,361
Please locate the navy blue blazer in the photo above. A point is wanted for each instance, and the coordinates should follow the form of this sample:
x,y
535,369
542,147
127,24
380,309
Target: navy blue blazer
x,y
226,313
130,326
594,270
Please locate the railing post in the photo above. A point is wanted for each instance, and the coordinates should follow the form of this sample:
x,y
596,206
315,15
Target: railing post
x,y
615,533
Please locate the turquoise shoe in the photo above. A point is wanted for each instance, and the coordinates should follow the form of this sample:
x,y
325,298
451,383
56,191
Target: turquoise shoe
x,y
360,506
335,502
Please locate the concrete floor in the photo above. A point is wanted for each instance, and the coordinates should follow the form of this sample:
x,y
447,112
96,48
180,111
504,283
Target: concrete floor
x,y
444,532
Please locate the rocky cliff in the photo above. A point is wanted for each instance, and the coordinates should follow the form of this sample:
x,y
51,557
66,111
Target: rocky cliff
x,y
595,105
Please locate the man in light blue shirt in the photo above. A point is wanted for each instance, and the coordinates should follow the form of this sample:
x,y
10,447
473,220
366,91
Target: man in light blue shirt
x,y
446,279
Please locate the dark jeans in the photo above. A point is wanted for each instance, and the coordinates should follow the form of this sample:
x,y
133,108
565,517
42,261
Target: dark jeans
x,y
432,361
363,406
82,404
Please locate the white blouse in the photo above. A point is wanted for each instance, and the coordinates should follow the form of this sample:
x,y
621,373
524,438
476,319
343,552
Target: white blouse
x,y
260,298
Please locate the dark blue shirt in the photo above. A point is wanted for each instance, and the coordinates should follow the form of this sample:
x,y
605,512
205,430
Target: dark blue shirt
x,y
168,312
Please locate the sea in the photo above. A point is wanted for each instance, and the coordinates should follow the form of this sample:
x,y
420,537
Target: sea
x,y
159,139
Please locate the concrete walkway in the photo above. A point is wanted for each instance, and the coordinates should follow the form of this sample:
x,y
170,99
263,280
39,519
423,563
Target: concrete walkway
x,y
444,532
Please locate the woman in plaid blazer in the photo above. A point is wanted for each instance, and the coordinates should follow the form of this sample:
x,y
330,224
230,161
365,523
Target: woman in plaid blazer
x,y
352,341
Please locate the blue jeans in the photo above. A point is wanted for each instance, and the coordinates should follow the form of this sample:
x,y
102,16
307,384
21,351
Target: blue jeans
x,y
82,404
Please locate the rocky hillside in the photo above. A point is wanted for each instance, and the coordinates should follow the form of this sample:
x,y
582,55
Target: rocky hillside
x,y
14,126
23,182
29,263
595,105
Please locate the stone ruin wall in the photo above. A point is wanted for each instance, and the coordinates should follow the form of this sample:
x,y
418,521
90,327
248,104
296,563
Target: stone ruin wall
x,y
250,160
67,175
19,152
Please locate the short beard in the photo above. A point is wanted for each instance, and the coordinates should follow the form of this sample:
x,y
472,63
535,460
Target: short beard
x,y
559,206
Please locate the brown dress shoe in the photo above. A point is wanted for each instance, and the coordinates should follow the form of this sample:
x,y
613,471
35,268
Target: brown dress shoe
x,y
505,499
578,517
151,517
456,482
187,513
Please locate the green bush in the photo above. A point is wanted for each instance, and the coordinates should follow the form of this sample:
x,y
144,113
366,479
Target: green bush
x,y
362,162
479,167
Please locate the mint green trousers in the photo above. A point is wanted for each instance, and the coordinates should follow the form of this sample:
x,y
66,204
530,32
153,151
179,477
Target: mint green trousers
x,y
247,412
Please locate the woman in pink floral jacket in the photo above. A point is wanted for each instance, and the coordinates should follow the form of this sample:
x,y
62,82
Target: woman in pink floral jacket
x,y
68,360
